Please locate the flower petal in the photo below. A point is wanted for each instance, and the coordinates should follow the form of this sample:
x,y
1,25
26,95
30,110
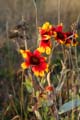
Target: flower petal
x,y
24,65
24,53
48,50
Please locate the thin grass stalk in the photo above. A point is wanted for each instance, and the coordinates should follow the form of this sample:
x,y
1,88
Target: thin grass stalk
x,y
71,58
68,89
59,12
64,59
59,20
71,62
73,66
36,18
78,75
75,50
76,58
54,106
23,20
63,79
36,12
16,117
15,8
13,103
25,40
38,115
77,67
76,63
60,96
17,45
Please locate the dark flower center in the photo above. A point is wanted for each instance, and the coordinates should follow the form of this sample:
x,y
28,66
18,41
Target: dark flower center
x,y
46,41
74,41
68,41
68,35
34,60
60,35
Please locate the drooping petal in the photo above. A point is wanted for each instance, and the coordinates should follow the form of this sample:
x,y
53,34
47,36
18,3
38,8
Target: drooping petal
x,y
41,49
48,50
24,65
41,74
24,53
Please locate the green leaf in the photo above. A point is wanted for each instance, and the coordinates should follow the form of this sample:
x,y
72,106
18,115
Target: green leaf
x,y
28,85
69,106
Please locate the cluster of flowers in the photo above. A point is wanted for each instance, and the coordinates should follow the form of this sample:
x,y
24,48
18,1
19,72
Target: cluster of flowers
x,y
47,31
35,60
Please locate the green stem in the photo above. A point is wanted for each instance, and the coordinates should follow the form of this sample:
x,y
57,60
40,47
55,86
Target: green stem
x,y
22,97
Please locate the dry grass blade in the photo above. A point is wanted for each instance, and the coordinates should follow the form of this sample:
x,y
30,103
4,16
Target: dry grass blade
x,y
38,115
17,117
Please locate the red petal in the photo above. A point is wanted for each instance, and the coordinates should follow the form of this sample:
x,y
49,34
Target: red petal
x,y
49,88
59,28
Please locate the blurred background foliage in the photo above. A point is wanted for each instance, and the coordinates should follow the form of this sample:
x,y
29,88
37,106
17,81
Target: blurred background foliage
x,y
47,10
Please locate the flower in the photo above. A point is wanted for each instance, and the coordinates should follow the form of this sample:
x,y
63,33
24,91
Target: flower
x,y
71,39
74,42
35,61
45,46
67,42
45,29
59,35
46,34
49,88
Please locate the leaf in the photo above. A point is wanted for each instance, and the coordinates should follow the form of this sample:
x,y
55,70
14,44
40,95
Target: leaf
x,y
69,106
28,85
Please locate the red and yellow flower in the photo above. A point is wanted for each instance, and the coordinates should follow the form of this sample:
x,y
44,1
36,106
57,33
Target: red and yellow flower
x,y
45,46
46,29
35,61
71,39
59,35
46,34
